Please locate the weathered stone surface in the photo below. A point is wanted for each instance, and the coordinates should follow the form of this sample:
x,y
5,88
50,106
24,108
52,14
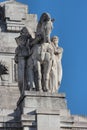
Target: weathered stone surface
x,y
11,22
8,98
80,121
13,8
10,25
48,121
45,110
36,100
41,110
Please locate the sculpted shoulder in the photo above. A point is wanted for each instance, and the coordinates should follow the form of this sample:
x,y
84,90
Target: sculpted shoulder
x,y
60,50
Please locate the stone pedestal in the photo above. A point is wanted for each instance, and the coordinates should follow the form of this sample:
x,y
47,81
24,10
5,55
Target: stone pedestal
x,y
42,111
48,120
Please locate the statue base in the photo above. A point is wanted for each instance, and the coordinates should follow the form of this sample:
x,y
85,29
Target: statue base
x,y
43,111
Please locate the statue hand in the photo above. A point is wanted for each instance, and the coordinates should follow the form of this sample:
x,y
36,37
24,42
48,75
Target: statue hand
x,y
39,36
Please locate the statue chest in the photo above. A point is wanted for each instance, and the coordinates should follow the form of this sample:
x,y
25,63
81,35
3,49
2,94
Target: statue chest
x,y
42,52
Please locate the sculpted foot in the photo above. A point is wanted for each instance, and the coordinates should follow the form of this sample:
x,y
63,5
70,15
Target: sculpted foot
x,y
40,90
45,89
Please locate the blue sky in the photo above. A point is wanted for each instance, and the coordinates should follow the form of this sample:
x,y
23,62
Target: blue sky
x,y
71,27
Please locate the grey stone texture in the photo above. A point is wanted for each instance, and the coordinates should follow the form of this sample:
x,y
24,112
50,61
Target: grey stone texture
x,y
11,22
13,17
41,111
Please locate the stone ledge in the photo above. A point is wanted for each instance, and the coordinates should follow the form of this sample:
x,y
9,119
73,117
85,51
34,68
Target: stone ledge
x,y
8,50
28,117
67,119
80,125
53,101
40,94
28,120
47,112
44,94
10,124
66,122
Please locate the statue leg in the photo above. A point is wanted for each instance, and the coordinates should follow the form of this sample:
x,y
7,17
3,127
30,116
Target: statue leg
x,y
59,70
46,72
39,76
21,73
31,84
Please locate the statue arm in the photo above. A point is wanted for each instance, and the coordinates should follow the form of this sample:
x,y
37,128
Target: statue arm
x,y
36,40
58,51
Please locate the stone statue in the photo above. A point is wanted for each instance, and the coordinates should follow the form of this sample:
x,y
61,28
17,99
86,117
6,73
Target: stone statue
x,y
45,27
32,45
56,71
39,58
24,60
21,56
41,61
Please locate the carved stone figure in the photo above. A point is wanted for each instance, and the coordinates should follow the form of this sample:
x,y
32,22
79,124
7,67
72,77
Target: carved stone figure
x,y
21,56
56,71
30,62
41,62
45,26
39,58
3,70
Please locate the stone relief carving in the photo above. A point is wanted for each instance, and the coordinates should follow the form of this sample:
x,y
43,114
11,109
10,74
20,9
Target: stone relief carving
x,y
3,70
39,58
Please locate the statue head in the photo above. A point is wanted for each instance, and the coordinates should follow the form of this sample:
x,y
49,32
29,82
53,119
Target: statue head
x,y
24,31
55,40
27,32
45,17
